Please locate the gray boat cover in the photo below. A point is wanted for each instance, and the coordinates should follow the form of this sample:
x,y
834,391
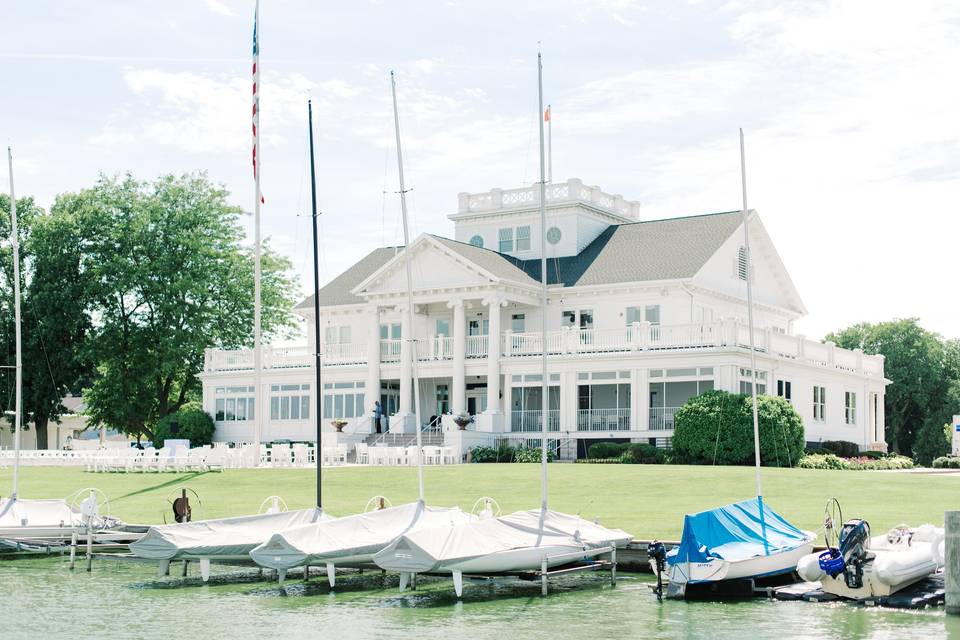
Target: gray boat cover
x,y
509,543
351,539
226,538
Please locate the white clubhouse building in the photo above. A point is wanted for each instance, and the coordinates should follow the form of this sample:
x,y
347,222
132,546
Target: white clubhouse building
x,y
642,316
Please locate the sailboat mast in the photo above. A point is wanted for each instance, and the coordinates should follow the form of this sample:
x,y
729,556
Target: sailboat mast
x,y
545,383
753,351
15,242
316,305
407,267
259,409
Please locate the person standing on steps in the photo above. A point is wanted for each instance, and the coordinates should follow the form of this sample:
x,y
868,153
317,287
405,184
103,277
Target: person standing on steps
x,y
377,416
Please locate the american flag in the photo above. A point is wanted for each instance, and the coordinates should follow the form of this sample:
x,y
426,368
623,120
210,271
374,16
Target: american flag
x,y
256,94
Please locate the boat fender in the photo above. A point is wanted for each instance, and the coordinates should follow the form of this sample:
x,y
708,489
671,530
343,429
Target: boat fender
x,y
937,548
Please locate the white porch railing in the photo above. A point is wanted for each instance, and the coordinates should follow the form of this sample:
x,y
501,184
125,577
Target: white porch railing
x,y
661,418
603,419
638,337
344,353
532,420
477,346
573,190
390,350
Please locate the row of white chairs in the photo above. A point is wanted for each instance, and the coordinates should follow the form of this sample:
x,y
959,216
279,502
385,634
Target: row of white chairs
x,y
178,459
404,456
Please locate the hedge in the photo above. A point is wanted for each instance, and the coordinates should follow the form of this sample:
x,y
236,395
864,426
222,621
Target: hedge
x,y
530,454
862,463
717,428
946,462
842,448
504,453
189,423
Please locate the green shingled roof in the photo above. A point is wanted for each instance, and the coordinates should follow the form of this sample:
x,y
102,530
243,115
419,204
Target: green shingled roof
x,y
635,252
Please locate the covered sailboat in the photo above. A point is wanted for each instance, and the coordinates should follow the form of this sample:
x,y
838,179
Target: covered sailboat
x,y
524,541
352,541
744,540
741,540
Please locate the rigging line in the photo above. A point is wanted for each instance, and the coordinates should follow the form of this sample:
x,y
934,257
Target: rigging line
x,y
716,446
43,347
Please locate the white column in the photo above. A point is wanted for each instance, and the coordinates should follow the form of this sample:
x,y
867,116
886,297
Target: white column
x,y
458,395
406,364
373,359
493,355
881,419
641,399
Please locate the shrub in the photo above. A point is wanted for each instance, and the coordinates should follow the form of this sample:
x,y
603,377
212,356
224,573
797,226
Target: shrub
x,y
823,461
189,423
841,448
603,450
717,427
875,455
933,441
863,463
491,454
946,462
530,454
643,453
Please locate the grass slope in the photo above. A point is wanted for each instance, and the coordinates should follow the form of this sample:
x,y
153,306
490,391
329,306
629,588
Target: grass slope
x,y
648,501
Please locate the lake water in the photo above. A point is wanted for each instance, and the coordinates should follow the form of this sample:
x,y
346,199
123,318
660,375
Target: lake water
x,y
42,598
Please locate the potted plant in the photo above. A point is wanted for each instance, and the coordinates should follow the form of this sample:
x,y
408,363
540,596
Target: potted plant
x,y
339,424
462,420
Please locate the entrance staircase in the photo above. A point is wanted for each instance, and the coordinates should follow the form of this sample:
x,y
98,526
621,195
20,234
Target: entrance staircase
x,y
427,439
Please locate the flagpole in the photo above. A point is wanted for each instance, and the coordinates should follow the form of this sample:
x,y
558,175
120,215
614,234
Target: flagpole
x,y
15,242
544,380
316,308
550,143
259,405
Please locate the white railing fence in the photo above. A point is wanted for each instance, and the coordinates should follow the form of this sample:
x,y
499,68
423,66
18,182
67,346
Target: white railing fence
x,y
661,418
615,419
532,420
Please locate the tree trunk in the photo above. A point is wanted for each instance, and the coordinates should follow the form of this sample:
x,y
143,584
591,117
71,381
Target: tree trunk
x,y
40,424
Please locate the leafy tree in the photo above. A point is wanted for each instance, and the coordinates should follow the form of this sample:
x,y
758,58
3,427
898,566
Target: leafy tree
x,y
167,275
53,324
717,428
933,441
924,370
190,422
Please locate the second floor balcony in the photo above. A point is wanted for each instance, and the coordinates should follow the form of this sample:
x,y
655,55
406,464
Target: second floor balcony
x,y
632,339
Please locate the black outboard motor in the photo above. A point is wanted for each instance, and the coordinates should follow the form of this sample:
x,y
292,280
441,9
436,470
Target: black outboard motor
x,y
658,553
854,542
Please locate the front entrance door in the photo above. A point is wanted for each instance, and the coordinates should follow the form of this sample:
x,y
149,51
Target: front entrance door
x,y
443,399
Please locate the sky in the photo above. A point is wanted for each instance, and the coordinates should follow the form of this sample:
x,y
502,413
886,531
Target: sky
x,y
850,112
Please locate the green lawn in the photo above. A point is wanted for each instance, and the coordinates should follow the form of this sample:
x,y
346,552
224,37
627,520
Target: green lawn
x,y
646,500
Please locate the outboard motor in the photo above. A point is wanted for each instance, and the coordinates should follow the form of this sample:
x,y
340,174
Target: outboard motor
x,y
181,508
854,542
658,557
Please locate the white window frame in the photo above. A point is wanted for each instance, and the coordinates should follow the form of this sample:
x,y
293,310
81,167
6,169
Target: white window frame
x,y
819,403
505,236
785,390
522,235
850,407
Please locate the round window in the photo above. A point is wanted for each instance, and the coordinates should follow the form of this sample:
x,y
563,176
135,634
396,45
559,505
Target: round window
x,y
477,241
553,235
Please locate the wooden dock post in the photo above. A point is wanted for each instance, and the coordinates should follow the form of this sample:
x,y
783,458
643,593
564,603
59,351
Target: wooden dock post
x,y
89,549
543,576
952,561
73,549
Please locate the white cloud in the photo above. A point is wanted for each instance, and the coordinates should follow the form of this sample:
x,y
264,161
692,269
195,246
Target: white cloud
x,y
217,6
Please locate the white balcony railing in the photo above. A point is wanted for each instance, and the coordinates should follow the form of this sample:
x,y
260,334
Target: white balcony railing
x,y
344,353
532,420
390,350
603,419
572,190
477,346
638,337
661,418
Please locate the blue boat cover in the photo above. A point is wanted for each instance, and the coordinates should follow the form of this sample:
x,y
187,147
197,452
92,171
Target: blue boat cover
x,y
734,532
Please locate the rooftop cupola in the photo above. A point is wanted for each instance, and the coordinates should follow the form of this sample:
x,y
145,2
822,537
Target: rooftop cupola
x,y
507,220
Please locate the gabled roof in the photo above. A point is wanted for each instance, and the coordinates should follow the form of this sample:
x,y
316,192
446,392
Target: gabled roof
x,y
642,251
653,250
337,291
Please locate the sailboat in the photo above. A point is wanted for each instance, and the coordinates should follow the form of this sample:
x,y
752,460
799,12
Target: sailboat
x,y
352,541
230,540
26,523
524,541
745,540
